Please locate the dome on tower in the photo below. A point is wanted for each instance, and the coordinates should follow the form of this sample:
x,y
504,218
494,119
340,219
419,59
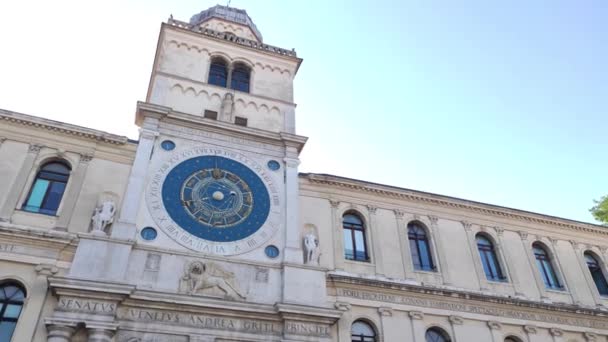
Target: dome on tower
x,y
229,14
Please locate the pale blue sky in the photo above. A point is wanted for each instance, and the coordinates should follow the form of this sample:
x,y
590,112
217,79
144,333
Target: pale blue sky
x,y
498,102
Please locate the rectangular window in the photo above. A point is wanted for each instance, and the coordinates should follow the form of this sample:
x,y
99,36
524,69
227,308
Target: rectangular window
x,y
209,114
241,121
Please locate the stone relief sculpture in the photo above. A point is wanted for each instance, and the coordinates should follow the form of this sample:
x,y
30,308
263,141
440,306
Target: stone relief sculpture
x,y
207,278
311,248
103,216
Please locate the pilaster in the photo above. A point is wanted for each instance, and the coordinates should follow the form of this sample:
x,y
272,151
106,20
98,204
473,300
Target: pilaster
x,y
70,198
10,203
374,233
345,322
456,323
418,328
557,334
532,262
532,333
293,246
571,289
337,235
408,265
59,333
583,265
443,263
502,250
481,276
495,330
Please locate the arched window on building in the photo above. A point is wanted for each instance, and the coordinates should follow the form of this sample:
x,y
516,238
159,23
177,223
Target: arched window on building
x,y
355,246
218,72
420,247
596,273
512,339
47,189
362,331
545,266
487,254
437,335
12,296
240,77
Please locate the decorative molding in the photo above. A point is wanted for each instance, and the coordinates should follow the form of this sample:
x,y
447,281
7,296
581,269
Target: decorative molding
x,y
523,235
494,325
65,128
553,240
416,217
291,162
575,245
342,306
467,225
46,269
398,214
2,140
530,329
456,320
499,231
385,311
334,203
416,314
85,158
589,336
372,209
603,249
34,148
433,219
556,332
451,202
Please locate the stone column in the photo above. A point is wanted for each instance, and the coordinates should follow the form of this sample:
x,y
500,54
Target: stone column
x,y
558,263
125,226
540,285
337,235
588,279
59,333
373,232
100,335
10,203
479,272
345,322
531,332
229,77
456,323
418,327
293,246
557,334
501,250
70,198
495,328
408,265
440,252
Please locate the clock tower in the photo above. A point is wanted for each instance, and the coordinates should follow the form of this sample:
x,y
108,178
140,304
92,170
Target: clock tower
x,y
210,211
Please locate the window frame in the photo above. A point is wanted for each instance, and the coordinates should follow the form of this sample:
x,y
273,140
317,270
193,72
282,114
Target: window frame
x,y
598,269
490,250
46,175
353,228
237,83
426,240
213,76
4,302
361,337
439,331
545,263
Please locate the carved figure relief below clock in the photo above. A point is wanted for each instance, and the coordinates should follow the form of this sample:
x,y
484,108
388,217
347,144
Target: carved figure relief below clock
x,y
215,201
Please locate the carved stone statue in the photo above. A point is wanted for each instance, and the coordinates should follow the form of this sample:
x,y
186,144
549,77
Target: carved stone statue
x,y
311,246
199,277
103,217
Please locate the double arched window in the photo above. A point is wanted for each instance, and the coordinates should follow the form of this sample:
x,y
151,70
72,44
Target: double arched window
x,y
596,273
436,335
236,77
489,261
47,189
355,246
362,331
12,296
545,266
420,247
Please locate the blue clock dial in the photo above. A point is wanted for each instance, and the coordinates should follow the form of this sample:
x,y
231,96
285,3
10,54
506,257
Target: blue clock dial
x,y
216,198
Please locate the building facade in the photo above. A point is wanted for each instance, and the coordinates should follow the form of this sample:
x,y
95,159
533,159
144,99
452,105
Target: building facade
x,y
203,230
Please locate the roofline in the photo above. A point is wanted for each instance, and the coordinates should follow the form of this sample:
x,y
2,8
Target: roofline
x,y
390,190
63,127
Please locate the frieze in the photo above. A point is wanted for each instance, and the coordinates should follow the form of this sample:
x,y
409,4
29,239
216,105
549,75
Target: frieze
x,y
472,308
200,321
307,329
86,305
19,249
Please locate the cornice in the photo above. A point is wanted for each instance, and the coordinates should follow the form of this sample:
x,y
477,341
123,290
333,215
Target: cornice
x,y
450,202
61,127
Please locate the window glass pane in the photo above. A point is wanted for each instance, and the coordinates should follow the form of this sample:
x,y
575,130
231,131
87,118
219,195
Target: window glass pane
x,y
484,262
6,330
543,275
551,274
352,219
349,251
415,256
600,281
493,264
425,256
51,203
37,195
10,291
56,168
362,328
12,311
360,245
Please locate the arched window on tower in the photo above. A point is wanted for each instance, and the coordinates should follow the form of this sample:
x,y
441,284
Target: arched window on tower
x,y
47,189
218,72
596,273
436,335
12,296
420,247
355,246
487,254
545,266
240,77
362,332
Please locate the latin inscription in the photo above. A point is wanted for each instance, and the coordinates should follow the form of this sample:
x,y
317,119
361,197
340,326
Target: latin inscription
x,y
86,305
7,248
307,329
471,308
200,321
